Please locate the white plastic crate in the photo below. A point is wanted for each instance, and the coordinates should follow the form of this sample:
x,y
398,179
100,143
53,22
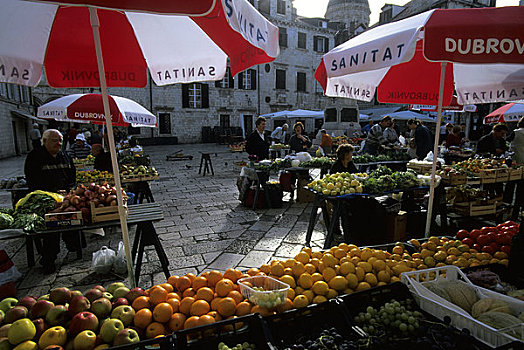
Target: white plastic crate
x,y
439,307
273,294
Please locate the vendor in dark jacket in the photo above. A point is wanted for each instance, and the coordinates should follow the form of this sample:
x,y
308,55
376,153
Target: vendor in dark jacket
x,y
423,138
258,142
494,143
344,162
49,169
299,142
102,158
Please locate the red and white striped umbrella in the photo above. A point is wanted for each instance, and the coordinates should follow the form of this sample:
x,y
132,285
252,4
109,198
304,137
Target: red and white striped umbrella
x,y
91,43
85,108
511,112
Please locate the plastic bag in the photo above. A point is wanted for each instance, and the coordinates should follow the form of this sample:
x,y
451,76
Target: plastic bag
x,y
120,265
103,260
429,158
304,157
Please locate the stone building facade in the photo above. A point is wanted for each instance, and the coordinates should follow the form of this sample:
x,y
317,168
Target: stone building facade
x,y
286,83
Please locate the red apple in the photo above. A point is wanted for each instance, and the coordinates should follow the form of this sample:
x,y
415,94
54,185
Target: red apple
x,y
40,326
60,295
78,304
135,293
119,301
15,313
461,234
40,309
27,301
94,294
83,321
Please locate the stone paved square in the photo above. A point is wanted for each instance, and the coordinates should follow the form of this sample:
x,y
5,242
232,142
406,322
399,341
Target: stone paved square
x,y
205,226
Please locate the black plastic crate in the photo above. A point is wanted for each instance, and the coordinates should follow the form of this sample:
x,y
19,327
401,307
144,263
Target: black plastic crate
x,y
358,302
231,332
289,327
160,343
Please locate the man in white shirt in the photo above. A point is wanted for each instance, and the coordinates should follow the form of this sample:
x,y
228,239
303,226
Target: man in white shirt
x,y
279,134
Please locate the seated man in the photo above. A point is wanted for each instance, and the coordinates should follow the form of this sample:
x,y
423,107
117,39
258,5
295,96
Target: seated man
x,y
80,149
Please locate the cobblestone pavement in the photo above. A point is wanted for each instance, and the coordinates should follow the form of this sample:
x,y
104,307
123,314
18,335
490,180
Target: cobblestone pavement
x,y
205,226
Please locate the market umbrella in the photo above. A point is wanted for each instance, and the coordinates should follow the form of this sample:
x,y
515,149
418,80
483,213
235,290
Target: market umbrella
x,y
424,58
85,108
91,43
510,112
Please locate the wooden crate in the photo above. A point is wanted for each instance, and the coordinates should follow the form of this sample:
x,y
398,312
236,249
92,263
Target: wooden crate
x,y
420,168
72,218
474,209
455,180
515,174
488,176
502,175
104,213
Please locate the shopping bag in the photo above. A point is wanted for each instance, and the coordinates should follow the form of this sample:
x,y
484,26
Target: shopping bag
x,y
120,265
103,260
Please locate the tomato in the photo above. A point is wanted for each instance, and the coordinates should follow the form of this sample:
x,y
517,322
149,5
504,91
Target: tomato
x,y
501,227
483,240
486,230
474,234
477,247
461,234
505,248
495,246
488,249
492,236
509,223
468,241
503,238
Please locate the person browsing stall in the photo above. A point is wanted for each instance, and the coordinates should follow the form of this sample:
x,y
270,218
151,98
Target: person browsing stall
x,y
326,142
279,134
494,143
423,138
48,168
454,139
390,134
35,136
102,158
257,143
80,149
376,139
299,142
344,162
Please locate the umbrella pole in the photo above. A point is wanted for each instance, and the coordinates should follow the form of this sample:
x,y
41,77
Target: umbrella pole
x,y
95,24
435,149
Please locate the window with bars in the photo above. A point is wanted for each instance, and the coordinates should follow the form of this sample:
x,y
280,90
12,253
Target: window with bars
x,y
302,39
281,7
321,44
195,95
301,81
282,36
227,81
280,79
247,80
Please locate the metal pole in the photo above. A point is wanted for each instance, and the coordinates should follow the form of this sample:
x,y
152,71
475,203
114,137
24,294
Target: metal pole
x,y
95,24
435,148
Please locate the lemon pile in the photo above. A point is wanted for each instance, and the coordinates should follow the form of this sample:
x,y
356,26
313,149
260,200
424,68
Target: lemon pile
x,y
337,184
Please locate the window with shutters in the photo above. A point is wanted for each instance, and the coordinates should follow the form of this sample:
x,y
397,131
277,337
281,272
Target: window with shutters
x,y
12,92
224,120
321,44
302,39
348,115
195,95
3,90
264,7
282,36
280,79
24,94
247,80
227,81
301,81
281,7
330,115
164,123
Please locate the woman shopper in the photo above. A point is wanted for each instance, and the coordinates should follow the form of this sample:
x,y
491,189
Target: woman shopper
x,y
299,142
344,162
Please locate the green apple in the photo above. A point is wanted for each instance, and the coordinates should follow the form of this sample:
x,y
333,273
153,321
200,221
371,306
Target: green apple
x,y
124,313
8,303
110,329
53,336
114,286
4,329
120,292
20,331
27,345
85,340
5,344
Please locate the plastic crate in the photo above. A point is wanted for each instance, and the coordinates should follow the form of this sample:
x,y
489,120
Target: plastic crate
x,y
295,325
161,343
242,329
274,293
440,308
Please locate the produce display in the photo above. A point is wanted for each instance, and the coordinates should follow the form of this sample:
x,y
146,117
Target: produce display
x,y
493,240
318,162
384,179
29,212
474,166
88,176
129,171
80,163
278,146
337,184
386,157
465,193
243,346
135,159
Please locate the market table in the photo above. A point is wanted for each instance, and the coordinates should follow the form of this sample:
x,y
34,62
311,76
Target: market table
x,y
141,189
142,215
